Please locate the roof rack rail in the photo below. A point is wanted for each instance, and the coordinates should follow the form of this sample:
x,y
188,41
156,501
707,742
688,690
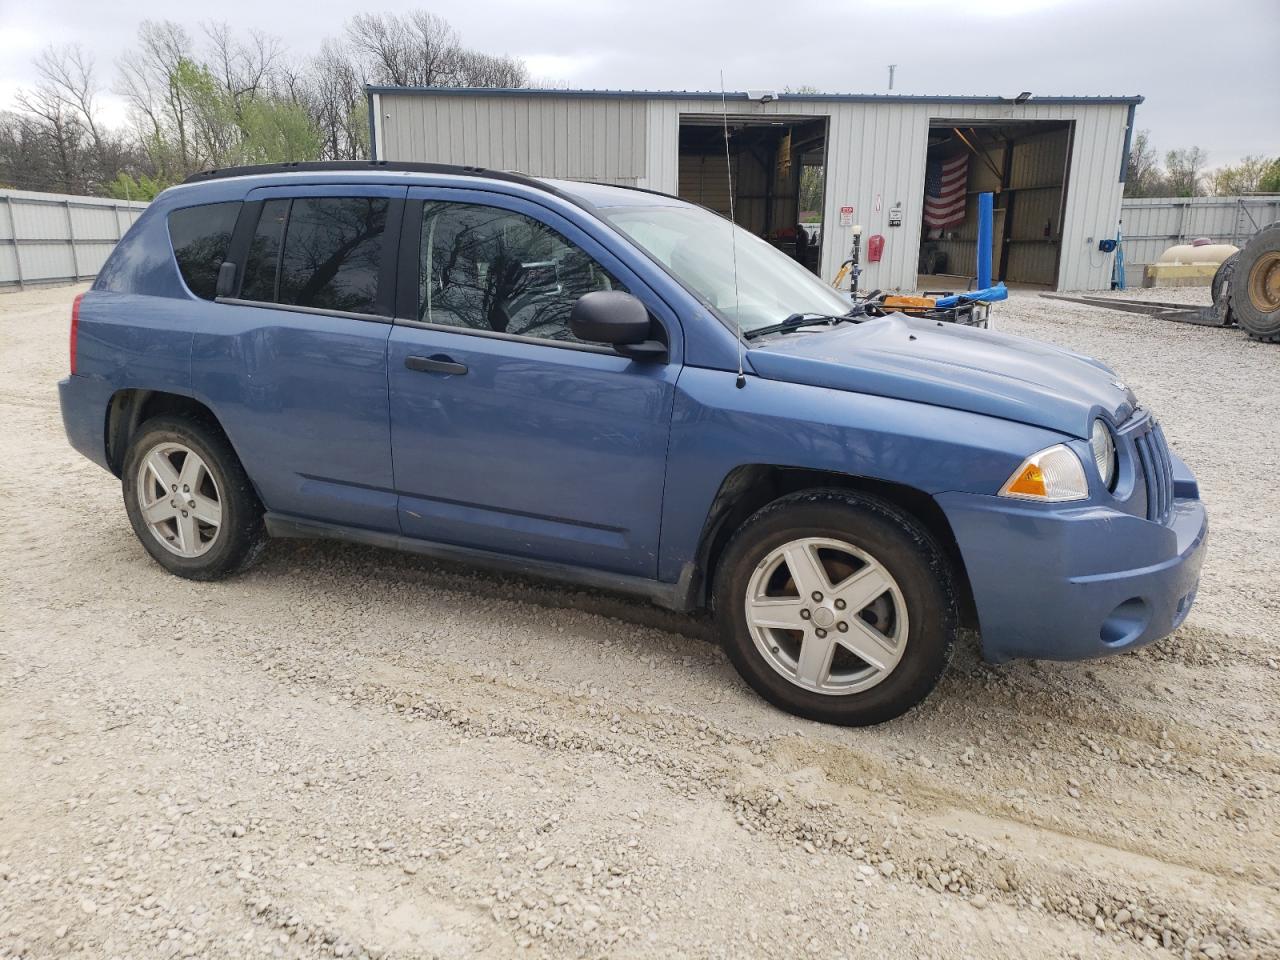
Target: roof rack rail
x,y
339,166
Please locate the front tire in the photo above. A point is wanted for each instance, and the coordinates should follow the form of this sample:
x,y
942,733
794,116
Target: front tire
x,y
836,607
189,500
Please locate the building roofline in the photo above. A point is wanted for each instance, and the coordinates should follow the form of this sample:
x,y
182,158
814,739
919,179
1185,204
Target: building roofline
x,y
741,95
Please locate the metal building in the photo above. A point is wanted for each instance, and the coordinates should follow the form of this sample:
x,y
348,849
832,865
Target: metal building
x,y
1056,165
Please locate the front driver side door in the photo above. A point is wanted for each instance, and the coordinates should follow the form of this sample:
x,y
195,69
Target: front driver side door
x,y
507,433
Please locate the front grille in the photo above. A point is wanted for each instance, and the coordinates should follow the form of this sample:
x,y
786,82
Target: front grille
x,y
1157,469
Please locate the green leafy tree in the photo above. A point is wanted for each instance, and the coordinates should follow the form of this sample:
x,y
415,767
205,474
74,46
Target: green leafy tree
x,y
275,131
1269,182
141,187
1245,177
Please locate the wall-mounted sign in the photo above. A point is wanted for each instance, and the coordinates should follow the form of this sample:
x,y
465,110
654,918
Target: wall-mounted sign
x,y
846,216
895,215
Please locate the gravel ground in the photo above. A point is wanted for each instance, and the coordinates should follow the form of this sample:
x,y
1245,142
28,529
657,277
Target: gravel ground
x,y
350,752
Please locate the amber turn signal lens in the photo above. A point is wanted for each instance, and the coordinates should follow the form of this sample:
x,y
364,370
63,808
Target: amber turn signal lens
x,y
1028,483
1053,475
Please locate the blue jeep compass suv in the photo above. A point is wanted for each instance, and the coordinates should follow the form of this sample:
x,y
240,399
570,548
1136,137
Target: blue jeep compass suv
x,y
617,388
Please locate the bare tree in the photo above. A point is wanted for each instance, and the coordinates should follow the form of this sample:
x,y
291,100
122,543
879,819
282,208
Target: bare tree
x,y
1185,171
485,70
67,76
150,79
334,96
1143,177
62,108
244,69
419,49
224,98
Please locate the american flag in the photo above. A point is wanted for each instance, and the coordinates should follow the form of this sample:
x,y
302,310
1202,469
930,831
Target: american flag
x,y
944,191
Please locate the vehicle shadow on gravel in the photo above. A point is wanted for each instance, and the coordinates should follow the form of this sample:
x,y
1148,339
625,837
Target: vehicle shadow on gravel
x,y
283,556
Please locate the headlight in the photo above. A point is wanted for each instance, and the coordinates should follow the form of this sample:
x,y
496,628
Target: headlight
x,y
1104,453
1053,475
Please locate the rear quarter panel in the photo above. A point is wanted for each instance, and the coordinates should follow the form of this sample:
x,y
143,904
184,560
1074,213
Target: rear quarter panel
x,y
138,320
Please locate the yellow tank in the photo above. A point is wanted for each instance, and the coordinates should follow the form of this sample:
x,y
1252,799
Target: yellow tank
x,y
1213,253
1188,264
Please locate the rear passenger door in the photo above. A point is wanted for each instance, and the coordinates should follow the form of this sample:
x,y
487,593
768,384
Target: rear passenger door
x,y
296,362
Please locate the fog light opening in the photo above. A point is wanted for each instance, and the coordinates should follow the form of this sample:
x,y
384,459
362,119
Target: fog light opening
x,y
1126,623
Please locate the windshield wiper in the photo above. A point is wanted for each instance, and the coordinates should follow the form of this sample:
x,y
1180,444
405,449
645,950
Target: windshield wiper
x,y
798,320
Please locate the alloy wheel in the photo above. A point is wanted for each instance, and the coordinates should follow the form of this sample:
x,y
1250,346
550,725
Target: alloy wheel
x,y
827,615
179,499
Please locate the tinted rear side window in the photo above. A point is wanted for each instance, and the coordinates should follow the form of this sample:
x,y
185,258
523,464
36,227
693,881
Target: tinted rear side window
x,y
201,237
264,253
323,252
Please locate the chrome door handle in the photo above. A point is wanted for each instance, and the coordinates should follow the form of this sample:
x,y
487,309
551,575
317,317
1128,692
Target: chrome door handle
x,y
436,364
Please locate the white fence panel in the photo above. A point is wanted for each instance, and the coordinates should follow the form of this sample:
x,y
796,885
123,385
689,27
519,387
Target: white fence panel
x,y
1152,224
55,238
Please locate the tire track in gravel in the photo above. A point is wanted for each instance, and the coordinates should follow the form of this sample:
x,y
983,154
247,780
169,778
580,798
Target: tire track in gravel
x,y
918,797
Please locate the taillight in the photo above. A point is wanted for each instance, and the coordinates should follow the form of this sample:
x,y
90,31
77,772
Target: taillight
x,y
75,330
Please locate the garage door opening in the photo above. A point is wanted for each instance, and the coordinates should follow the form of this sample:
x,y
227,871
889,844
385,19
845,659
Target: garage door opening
x,y
1025,165
778,171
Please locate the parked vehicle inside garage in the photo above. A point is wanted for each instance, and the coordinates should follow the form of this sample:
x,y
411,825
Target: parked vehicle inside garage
x,y
621,389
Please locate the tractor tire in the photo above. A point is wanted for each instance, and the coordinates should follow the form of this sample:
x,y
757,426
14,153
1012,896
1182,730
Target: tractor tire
x,y
1221,278
1255,285
1220,290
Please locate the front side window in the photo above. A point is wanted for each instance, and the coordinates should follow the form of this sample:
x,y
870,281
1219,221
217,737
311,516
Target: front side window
x,y
201,237
321,252
489,269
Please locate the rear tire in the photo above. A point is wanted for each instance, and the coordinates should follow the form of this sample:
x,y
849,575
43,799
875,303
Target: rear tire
x,y
1255,285
812,644
189,500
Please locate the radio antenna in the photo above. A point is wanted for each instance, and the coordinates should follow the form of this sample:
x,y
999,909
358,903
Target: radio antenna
x,y
733,239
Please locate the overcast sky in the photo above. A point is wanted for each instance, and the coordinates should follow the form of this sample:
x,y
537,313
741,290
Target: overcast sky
x,y
1210,69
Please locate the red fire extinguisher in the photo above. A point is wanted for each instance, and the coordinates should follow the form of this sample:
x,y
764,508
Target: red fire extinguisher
x,y
875,248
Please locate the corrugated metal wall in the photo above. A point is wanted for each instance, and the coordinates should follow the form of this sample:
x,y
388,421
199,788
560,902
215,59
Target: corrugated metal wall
x,y
1152,225
49,237
875,157
577,138
705,180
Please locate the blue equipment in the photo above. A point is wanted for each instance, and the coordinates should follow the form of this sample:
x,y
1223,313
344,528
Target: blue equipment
x,y
985,215
987,295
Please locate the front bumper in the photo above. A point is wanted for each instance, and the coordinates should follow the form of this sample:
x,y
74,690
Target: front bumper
x,y
1071,582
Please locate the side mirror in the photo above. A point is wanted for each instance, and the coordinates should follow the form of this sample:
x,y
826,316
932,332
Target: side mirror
x,y
618,319
226,285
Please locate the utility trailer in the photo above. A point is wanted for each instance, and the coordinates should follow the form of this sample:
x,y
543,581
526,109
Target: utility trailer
x,y
1245,292
1215,315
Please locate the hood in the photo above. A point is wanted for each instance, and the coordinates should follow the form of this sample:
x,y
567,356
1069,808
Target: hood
x,y
946,365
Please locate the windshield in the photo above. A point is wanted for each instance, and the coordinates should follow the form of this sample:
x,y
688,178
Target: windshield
x,y
697,247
